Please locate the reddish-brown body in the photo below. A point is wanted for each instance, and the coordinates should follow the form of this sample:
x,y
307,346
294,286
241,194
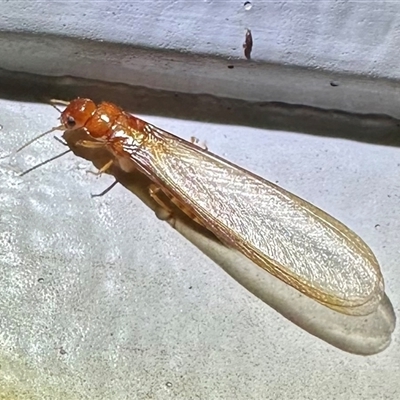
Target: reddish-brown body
x,y
113,125
103,122
99,121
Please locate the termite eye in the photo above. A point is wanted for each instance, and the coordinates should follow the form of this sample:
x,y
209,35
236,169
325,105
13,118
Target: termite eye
x,y
70,122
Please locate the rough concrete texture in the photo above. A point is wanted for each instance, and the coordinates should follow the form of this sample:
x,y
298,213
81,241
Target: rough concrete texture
x,y
100,299
359,37
328,54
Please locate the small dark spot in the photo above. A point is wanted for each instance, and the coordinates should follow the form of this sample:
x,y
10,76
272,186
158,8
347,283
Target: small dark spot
x,y
231,66
62,351
248,44
334,84
168,384
40,280
276,181
377,226
190,287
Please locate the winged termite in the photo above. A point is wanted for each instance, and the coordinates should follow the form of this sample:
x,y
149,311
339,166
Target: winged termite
x,y
281,233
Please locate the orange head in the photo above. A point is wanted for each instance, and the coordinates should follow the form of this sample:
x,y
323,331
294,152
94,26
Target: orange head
x,y
77,113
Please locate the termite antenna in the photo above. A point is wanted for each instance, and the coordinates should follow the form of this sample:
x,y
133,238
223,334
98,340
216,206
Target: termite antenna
x,y
57,128
60,141
55,102
55,106
44,163
49,160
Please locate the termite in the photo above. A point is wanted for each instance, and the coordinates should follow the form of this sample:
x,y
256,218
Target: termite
x,y
283,234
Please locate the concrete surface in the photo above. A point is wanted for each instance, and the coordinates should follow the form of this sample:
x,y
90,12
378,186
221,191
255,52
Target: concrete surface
x,y
361,38
328,54
100,299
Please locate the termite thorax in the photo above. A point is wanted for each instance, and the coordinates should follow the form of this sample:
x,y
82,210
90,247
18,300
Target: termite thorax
x,y
100,123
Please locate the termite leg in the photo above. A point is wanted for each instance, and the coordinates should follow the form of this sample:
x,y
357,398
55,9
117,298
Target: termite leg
x,y
187,211
104,191
103,169
165,213
168,214
60,141
56,102
59,102
196,141
89,144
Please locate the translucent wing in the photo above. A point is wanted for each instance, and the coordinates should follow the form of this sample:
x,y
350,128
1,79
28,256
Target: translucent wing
x,y
283,234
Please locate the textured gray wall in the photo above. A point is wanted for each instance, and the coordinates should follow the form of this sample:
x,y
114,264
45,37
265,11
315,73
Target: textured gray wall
x,y
353,36
101,300
300,47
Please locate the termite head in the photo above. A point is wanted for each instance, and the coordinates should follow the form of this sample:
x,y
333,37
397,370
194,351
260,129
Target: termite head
x,y
77,113
75,116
